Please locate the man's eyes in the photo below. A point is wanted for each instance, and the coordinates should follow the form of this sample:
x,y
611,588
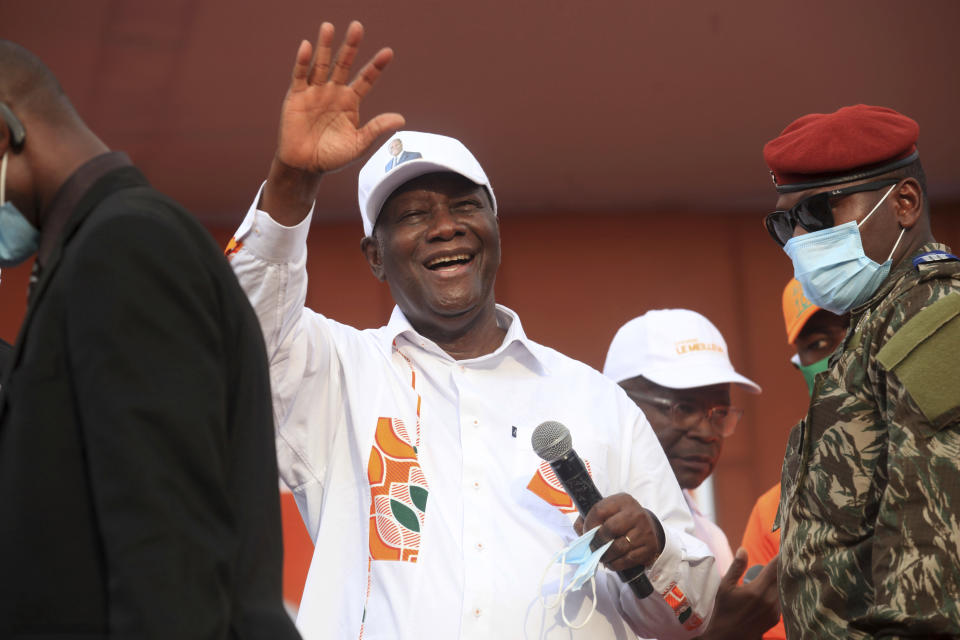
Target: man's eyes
x,y
686,408
413,215
465,206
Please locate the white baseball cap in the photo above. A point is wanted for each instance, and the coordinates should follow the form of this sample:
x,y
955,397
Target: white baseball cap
x,y
675,348
421,153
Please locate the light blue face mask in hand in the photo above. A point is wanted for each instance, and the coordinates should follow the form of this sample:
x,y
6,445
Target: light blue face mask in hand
x,y
576,554
835,272
18,238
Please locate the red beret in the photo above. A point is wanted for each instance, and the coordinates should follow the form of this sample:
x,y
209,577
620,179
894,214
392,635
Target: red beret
x,y
852,143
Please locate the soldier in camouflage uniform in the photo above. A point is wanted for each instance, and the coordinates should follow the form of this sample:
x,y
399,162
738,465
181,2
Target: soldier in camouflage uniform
x,y
870,507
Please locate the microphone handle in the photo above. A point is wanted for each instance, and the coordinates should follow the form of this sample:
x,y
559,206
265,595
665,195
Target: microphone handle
x,y
574,477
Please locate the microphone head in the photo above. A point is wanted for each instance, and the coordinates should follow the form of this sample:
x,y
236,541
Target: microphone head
x,y
551,440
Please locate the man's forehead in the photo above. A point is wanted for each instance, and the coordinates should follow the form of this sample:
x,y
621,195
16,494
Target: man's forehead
x,y
446,183
641,383
705,392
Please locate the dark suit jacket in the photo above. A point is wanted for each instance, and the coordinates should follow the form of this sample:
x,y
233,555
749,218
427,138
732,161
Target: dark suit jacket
x,y
138,481
5,352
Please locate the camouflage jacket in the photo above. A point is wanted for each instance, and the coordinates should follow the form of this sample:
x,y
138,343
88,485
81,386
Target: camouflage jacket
x,y
870,507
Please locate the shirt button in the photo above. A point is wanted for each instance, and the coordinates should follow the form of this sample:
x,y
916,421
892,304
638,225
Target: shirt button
x,y
476,423
476,612
476,485
479,546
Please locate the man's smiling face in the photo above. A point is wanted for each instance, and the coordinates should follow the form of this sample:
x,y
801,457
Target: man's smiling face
x,y
437,245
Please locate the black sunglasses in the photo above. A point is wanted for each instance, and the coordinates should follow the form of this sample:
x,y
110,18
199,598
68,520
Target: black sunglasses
x,y
814,213
17,133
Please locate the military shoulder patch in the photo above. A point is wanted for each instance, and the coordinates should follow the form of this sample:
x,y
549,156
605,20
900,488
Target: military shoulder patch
x,y
925,355
933,256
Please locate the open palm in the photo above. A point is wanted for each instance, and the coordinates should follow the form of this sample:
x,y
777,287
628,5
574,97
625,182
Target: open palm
x,y
320,120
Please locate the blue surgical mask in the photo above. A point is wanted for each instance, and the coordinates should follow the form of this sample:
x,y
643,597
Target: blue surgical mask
x,y
18,238
835,272
577,554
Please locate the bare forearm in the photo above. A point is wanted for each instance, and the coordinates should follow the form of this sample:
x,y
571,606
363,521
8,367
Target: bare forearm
x,y
289,193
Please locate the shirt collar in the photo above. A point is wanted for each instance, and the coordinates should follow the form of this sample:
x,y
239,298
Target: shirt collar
x,y
515,342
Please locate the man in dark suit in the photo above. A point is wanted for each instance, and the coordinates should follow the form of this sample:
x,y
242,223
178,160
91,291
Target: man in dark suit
x,y
138,481
399,155
5,351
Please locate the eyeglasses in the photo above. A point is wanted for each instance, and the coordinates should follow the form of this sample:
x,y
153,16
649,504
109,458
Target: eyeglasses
x,y
816,212
685,415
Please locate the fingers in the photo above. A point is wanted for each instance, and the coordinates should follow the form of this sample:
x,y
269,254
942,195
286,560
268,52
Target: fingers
x,y
347,53
623,520
636,545
383,123
739,565
301,67
605,509
371,71
768,575
644,555
321,60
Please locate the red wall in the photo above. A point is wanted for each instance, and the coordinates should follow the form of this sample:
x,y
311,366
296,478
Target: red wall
x,y
574,279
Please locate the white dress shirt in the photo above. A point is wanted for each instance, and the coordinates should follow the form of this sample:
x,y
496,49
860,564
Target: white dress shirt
x,y
473,539
705,529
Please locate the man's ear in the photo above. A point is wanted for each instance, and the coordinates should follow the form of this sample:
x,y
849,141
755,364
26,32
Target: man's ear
x,y
371,251
908,200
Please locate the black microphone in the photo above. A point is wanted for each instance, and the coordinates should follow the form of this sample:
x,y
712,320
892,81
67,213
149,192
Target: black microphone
x,y
752,573
552,442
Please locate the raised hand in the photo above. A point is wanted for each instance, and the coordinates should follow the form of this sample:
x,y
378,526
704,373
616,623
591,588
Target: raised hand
x,y
320,121
744,612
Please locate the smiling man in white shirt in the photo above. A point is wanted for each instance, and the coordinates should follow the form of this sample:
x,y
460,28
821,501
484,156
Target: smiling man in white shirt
x,y
408,446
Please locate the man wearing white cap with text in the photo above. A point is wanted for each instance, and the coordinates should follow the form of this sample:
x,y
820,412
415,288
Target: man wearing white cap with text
x,y
673,363
407,447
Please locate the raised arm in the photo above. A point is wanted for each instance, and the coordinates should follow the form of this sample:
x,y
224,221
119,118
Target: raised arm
x,y
320,121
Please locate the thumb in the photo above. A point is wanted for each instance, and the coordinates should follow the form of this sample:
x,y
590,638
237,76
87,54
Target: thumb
x,y
736,569
578,526
383,123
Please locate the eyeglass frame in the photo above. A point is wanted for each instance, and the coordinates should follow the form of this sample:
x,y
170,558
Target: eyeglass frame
x,y
793,214
725,431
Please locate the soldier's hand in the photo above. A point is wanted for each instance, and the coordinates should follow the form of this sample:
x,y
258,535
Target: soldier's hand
x,y
320,121
630,526
744,611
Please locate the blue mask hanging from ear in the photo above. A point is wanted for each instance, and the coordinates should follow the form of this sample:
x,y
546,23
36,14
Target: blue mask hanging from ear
x,y
18,238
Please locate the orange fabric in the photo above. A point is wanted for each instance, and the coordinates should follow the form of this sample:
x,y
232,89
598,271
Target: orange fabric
x,y
796,309
232,247
762,544
297,551
395,475
545,484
